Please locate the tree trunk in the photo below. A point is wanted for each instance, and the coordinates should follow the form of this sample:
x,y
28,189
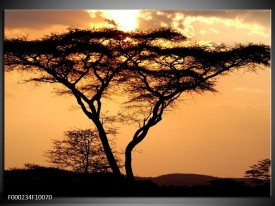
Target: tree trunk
x,y
128,162
107,149
138,137
103,137
87,158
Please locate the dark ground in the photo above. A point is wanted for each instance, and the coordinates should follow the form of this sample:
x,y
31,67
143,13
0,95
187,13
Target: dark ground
x,y
61,183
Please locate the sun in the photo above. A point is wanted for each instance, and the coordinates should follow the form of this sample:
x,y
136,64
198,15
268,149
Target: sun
x,y
127,20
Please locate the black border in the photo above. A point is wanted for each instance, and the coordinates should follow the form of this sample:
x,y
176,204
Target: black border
x,y
133,4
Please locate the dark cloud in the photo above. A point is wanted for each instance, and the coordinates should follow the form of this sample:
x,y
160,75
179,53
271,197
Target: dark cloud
x,y
247,16
40,19
148,19
154,19
257,16
251,25
261,17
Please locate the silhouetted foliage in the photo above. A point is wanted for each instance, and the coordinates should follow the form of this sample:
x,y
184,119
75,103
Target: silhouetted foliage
x,y
153,68
80,151
260,172
31,166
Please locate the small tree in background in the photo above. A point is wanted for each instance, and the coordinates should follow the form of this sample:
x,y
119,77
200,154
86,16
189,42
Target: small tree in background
x,y
261,172
80,151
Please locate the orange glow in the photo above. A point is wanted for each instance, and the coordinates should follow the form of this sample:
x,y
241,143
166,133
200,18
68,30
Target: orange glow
x,y
218,134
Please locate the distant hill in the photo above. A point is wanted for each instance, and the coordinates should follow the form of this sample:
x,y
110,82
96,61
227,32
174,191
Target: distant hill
x,y
188,179
65,183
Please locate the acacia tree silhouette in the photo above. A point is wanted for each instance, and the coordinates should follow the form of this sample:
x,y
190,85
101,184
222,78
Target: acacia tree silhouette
x,y
162,74
84,61
260,172
153,68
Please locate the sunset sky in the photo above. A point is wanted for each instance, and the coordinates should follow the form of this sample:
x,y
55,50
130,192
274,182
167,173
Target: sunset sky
x,y
219,134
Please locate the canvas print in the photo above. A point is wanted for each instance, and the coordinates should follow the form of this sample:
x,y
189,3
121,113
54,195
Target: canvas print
x,y
137,103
